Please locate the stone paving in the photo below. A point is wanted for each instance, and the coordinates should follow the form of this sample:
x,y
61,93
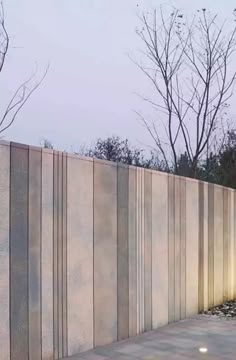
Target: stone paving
x,y
181,340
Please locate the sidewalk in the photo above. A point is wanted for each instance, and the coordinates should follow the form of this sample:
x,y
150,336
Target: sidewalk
x,y
181,340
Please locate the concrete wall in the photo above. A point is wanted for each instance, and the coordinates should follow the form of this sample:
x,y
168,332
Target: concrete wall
x,y
92,252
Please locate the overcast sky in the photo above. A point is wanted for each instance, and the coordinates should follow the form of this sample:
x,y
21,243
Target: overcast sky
x,y
90,89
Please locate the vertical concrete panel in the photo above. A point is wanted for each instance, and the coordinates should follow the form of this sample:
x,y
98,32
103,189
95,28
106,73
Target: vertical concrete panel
x,y
226,230
138,241
138,231
19,252
140,249
35,168
64,254
60,254
211,220
147,251
55,255
171,247
201,247
177,248
182,248
218,245
143,253
122,241
232,261
192,246
132,253
80,254
105,253
4,251
234,244
205,248
47,254
159,250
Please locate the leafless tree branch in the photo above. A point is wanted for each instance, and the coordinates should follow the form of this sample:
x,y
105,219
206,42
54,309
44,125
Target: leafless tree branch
x,y
190,74
24,91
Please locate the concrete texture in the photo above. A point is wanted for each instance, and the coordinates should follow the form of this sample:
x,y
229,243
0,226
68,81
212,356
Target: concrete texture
x,y
159,250
180,340
205,245
226,245
47,254
140,249
218,246
122,253
231,243
19,313
34,256
60,255
105,253
234,224
92,252
80,255
55,254
171,248
148,251
132,253
64,254
192,247
177,253
182,248
211,233
4,251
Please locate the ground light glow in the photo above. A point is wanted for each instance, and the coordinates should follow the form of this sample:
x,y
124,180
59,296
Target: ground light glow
x,y
203,350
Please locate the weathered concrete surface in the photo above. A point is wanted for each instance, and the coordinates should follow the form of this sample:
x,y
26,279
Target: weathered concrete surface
x,y
92,251
19,246
218,246
47,254
171,248
159,250
105,253
4,251
80,255
122,252
192,247
132,253
34,253
182,248
147,251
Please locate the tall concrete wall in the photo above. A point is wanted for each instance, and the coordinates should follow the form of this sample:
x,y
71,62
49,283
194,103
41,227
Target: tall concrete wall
x,y
92,252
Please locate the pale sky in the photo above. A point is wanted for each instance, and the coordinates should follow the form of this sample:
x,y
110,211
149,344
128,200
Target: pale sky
x,y
90,89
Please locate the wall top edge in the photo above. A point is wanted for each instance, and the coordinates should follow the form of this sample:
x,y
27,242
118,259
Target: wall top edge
x,y
217,186
79,157
124,166
47,151
4,142
35,148
106,162
20,146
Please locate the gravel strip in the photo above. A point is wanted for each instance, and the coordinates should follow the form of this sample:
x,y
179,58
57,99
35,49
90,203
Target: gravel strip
x,y
227,310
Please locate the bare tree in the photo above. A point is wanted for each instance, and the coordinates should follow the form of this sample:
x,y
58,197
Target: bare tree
x,y
24,91
188,66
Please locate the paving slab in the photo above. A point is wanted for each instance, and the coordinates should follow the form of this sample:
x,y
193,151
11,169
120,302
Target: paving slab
x,y
180,340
